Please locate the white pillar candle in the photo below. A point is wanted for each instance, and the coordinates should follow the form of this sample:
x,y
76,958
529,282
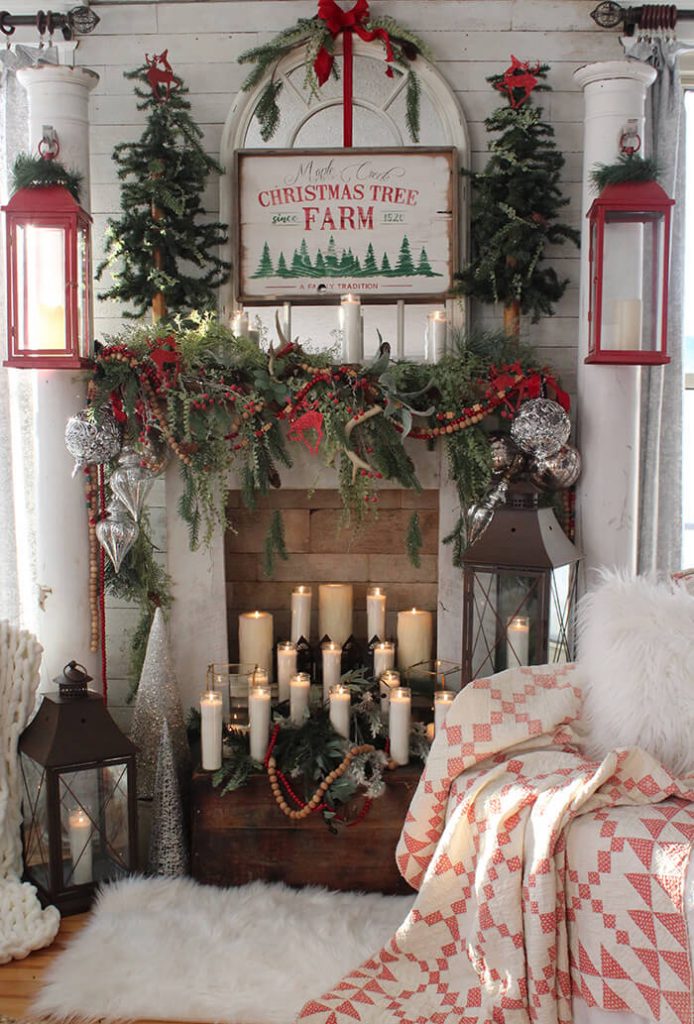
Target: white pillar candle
x,y
301,614
255,640
628,314
399,724
299,689
339,709
436,336
258,677
80,837
384,658
211,714
388,681
351,327
286,668
375,613
332,666
335,611
239,324
442,702
517,638
259,717
415,635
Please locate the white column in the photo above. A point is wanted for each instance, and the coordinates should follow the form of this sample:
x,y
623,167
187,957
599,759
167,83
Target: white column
x,y
59,96
608,396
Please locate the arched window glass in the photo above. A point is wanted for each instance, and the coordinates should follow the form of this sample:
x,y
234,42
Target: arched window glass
x,y
308,122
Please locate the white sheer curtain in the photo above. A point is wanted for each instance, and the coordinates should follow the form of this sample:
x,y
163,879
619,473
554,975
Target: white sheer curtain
x,y
18,587
660,513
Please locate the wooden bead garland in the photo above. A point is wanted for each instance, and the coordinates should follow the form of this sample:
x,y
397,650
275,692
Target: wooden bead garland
x,y
315,801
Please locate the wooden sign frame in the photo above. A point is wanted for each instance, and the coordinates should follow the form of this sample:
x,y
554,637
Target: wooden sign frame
x,y
312,224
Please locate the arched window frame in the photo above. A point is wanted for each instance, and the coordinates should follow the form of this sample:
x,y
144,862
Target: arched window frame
x,y
440,94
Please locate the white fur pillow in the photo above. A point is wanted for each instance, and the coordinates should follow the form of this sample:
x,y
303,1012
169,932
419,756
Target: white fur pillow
x,y
636,643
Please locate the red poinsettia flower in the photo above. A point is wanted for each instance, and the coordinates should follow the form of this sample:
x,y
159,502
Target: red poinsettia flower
x,y
308,430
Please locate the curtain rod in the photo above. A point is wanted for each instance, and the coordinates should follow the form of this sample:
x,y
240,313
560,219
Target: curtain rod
x,y
78,21
647,17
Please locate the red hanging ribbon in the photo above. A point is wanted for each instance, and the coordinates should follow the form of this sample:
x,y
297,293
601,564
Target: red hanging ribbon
x,y
347,22
353,20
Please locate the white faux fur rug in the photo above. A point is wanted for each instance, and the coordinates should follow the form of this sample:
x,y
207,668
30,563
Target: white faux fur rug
x,y
173,949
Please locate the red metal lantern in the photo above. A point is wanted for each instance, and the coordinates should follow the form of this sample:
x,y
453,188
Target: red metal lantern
x,y
629,265
49,308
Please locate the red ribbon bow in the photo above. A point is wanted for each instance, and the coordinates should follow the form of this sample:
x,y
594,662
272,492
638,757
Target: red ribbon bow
x,y
352,20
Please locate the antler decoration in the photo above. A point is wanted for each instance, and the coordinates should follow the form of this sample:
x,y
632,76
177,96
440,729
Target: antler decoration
x,y
359,418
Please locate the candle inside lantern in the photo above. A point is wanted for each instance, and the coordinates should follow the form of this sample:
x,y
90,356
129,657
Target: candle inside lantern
x,y
258,677
415,636
388,681
301,614
517,641
339,709
239,324
399,724
286,667
335,611
442,702
332,666
211,713
628,323
255,639
436,336
351,327
375,613
384,658
80,838
299,689
259,717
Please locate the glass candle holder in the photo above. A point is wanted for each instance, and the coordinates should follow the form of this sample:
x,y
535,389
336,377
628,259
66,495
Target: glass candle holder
x,y
259,703
399,716
384,658
286,667
388,681
332,666
301,613
258,677
340,702
211,717
442,702
517,641
299,690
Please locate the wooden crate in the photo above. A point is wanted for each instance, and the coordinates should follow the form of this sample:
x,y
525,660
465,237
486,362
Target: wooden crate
x,y
243,836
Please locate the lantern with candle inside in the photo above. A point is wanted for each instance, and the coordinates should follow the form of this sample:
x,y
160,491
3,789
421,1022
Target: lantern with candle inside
x,y
519,590
49,313
78,796
436,674
628,267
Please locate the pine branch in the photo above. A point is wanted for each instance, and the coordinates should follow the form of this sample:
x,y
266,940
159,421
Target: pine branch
x,y
414,540
626,169
413,93
274,543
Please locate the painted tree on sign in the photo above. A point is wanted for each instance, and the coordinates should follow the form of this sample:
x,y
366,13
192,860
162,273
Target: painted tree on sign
x,y
265,265
405,265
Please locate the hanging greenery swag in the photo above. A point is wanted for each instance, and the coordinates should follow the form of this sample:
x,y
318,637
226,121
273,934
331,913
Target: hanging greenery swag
x,y
318,35
219,403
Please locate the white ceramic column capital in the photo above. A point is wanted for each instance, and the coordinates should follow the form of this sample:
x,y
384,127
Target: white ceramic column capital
x,y
608,396
59,96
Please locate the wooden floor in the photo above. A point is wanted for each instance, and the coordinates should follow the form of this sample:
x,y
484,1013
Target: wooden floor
x,y
20,980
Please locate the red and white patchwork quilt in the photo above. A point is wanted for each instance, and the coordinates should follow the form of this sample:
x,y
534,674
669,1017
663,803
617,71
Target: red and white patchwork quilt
x,y
539,874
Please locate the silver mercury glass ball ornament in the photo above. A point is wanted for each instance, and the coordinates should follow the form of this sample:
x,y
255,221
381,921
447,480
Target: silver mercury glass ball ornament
x,y
556,472
92,442
541,427
131,482
507,459
117,533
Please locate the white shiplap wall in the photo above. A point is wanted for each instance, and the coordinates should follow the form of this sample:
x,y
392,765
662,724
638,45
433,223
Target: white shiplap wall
x,y
470,39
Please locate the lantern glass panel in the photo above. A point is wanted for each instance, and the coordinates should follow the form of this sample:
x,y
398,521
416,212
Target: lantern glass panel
x,y
41,324
83,296
94,824
632,272
35,821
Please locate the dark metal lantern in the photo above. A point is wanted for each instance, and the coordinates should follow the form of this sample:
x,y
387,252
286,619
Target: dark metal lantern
x,y
79,795
519,591
49,308
629,269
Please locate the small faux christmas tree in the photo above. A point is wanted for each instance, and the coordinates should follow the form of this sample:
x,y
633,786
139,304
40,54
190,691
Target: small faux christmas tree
x,y
515,205
161,254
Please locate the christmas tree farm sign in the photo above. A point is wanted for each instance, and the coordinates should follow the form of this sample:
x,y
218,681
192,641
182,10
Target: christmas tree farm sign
x,y
312,224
